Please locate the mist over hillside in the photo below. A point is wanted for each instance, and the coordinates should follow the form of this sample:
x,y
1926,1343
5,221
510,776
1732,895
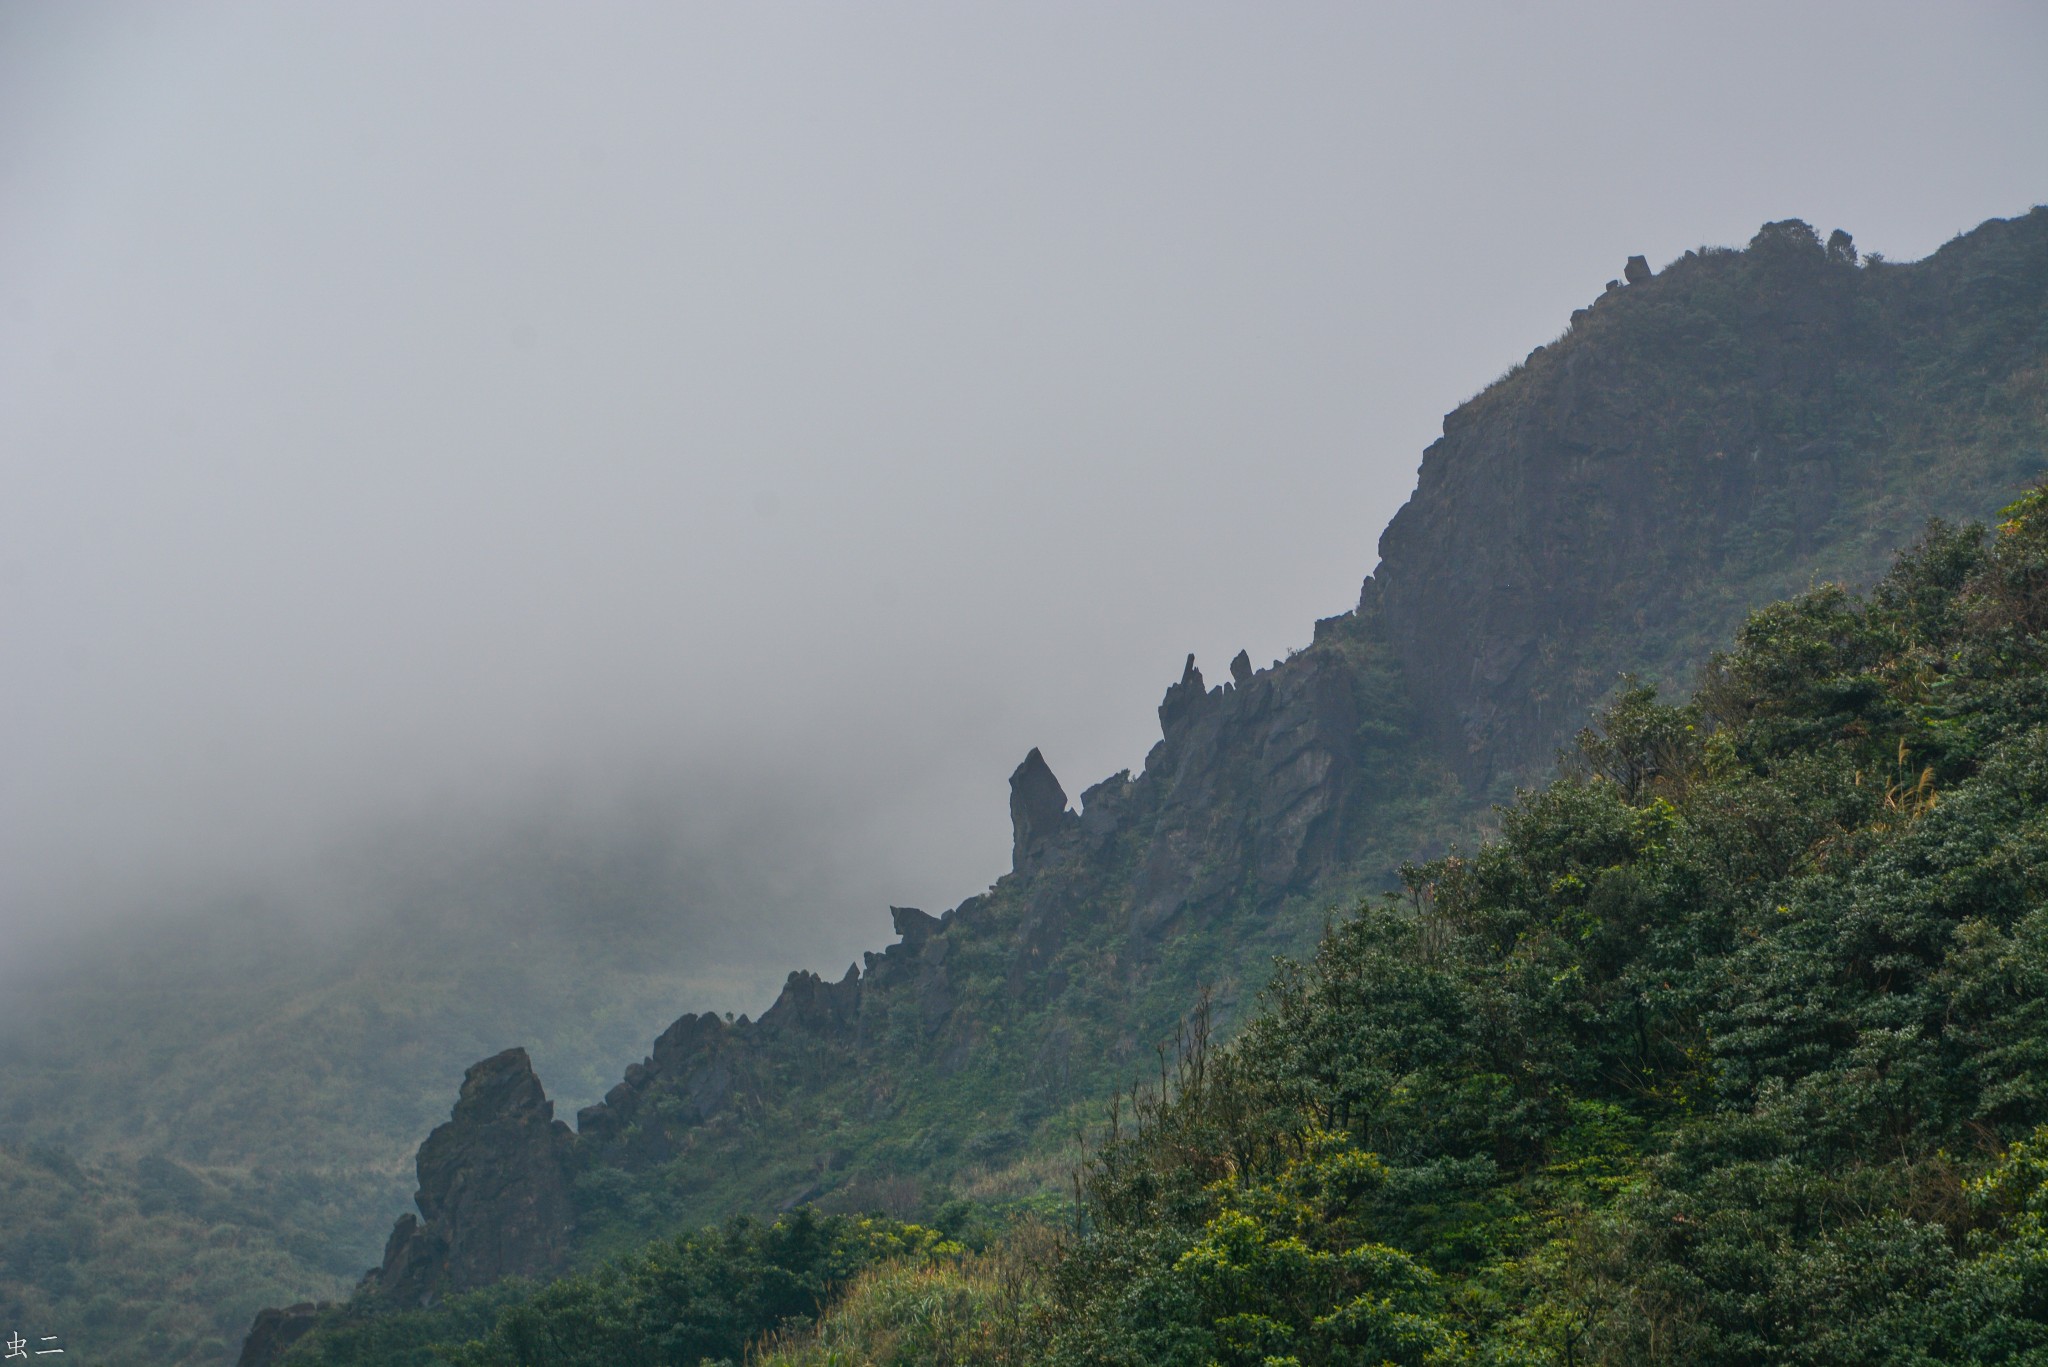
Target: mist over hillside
x,y
838,406
1863,401
550,529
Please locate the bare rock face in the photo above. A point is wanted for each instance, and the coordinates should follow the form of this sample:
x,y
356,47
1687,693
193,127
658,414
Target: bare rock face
x,y
1183,701
700,1066
914,926
831,1011
1636,271
494,1194
1250,787
1680,454
1038,812
1669,459
275,1331
704,1068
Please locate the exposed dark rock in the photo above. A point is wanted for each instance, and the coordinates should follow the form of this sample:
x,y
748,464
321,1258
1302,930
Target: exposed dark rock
x,y
913,926
1648,475
688,1037
936,999
275,1331
703,1067
1251,789
1102,806
494,1191
1568,517
415,1262
1183,701
1038,812
823,1010
697,1065
1636,271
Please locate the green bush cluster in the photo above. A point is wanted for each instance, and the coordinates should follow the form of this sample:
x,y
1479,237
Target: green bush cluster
x,y
1719,948
985,1308
1732,1049
697,1298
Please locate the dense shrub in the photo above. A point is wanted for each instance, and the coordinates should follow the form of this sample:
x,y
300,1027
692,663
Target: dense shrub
x,y
678,1302
1732,1049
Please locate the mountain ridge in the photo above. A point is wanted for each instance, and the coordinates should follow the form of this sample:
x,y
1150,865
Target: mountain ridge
x,y
1701,440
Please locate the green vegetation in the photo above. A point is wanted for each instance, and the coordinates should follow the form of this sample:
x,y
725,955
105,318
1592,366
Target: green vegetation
x,y
1714,1008
1726,434
1733,1048
171,1262
1730,1050
986,1308
212,1120
701,1297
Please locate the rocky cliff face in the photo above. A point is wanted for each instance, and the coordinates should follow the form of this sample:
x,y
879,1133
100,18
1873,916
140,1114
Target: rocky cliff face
x,y
1718,434
275,1331
1039,818
1700,440
494,1192
1249,797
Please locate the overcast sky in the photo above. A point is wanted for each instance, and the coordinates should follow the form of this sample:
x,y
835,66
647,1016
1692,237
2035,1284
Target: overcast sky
x,y
773,420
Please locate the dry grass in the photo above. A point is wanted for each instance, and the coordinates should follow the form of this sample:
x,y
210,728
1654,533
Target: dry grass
x,y
980,1309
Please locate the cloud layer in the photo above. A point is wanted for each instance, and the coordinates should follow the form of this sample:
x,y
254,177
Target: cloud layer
x,y
765,424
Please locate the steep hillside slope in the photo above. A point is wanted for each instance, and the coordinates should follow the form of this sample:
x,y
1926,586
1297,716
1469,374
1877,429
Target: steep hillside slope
x,y
1705,439
1728,1051
219,1111
1697,442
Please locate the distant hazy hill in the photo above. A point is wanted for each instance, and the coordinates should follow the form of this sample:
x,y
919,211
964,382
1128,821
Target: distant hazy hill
x,y
218,1112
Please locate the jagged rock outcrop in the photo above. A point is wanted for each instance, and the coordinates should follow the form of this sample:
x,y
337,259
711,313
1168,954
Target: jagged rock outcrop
x,y
1039,818
1250,785
1183,700
494,1198
704,1069
1245,795
698,1067
1712,437
826,1015
1701,440
275,1331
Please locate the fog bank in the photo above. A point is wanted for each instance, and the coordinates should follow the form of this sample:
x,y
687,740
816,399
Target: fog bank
x,y
743,433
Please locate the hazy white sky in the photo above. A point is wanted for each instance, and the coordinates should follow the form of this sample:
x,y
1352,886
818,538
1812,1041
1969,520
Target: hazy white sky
x,y
779,418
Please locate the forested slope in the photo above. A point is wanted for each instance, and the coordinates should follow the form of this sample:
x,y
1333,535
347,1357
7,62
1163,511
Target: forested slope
x,y
1731,1049
218,1112
1734,428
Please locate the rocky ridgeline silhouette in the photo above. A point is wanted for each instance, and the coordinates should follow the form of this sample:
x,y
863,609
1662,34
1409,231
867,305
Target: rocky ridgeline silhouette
x,y
1700,440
